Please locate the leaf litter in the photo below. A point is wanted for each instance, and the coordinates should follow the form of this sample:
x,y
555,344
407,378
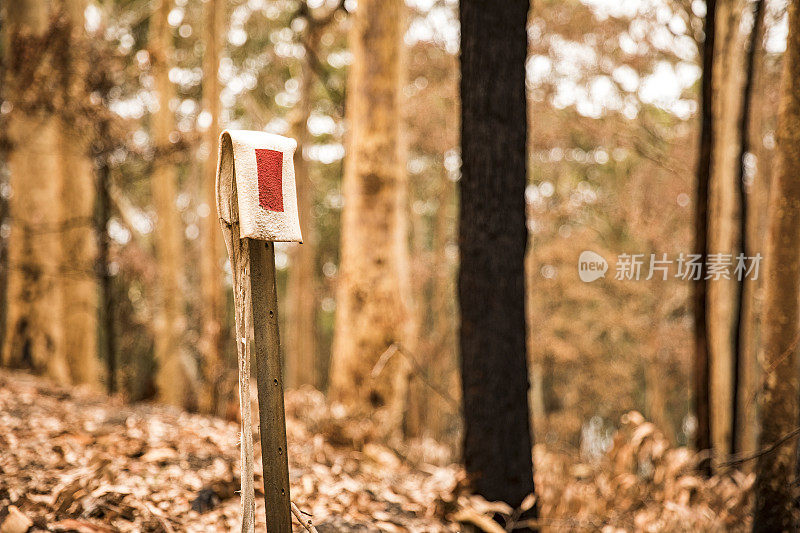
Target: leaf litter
x,y
72,460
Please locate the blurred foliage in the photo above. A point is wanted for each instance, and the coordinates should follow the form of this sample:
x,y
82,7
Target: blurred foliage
x,y
613,141
613,129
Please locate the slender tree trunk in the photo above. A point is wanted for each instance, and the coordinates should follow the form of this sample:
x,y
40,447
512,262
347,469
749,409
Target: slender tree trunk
x,y
443,358
492,241
702,392
4,219
418,415
728,80
654,364
211,254
107,316
171,379
301,309
750,376
775,488
372,291
535,353
744,362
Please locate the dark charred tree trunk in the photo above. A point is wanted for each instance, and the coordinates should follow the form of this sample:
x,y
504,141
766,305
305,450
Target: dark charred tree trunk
x,y
701,362
492,240
776,487
744,147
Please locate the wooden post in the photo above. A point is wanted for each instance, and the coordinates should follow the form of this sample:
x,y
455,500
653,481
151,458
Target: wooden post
x,y
257,205
271,418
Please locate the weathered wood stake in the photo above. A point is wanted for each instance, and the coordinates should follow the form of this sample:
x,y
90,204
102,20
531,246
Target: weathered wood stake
x,y
271,419
257,202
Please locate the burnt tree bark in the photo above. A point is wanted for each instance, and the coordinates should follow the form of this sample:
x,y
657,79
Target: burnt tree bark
x,y
492,240
702,440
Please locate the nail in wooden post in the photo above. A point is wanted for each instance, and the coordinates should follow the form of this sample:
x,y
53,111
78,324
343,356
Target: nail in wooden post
x,y
257,202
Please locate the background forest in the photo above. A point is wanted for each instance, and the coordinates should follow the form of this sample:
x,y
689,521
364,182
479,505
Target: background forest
x,y
114,277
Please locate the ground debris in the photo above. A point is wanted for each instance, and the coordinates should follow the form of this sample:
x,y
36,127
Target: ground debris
x,y
15,522
77,461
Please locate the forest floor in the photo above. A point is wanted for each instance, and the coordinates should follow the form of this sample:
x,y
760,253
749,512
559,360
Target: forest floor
x,y
72,460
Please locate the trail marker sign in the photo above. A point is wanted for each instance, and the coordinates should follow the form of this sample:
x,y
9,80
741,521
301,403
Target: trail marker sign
x,y
257,206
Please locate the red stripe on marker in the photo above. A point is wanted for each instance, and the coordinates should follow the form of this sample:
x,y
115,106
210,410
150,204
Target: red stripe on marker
x,y
270,179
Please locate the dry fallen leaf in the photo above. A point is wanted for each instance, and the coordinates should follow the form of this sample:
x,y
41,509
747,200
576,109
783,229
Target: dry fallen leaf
x,y
15,522
485,523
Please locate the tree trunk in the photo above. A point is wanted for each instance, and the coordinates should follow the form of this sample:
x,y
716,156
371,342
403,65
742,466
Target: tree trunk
x,y
301,308
373,290
4,219
171,377
34,328
750,375
728,80
744,416
108,337
53,291
492,241
534,352
80,284
418,414
211,274
443,360
775,487
702,385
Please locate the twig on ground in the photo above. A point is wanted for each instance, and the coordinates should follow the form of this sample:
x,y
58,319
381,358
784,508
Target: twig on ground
x,y
305,522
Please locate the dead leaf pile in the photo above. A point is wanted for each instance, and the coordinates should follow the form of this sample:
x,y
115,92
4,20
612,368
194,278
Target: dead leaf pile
x,y
76,461
641,484
72,460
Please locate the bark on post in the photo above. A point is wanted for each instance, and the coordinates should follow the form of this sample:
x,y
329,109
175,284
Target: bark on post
x,y
240,267
171,379
775,487
492,241
373,287
271,421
